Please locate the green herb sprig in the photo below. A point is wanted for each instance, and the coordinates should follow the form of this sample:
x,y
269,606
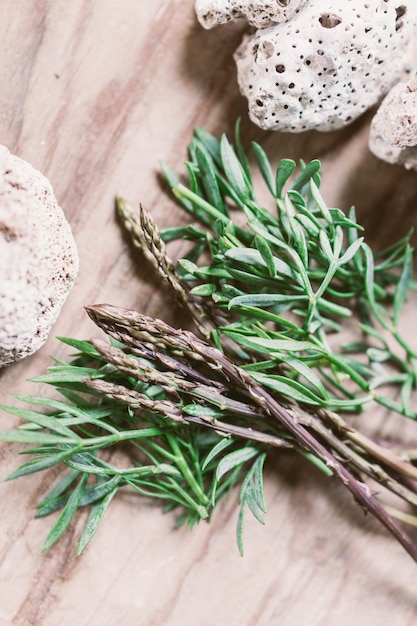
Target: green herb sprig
x,y
269,291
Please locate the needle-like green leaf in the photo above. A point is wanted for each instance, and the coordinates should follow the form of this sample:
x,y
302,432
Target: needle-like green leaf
x,y
94,520
66,516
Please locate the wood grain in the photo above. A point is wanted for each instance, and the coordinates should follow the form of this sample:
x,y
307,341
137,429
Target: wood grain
x,y
93,93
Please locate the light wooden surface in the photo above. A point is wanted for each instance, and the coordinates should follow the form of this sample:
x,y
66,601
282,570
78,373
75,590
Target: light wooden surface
x,y
93,93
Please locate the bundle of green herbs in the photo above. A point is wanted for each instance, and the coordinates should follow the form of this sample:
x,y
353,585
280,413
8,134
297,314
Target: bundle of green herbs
x,y
269,292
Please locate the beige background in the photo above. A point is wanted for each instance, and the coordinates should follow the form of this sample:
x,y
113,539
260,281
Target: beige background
x,y
93,93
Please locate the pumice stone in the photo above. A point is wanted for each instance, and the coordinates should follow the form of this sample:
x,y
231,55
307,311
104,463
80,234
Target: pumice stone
x,y
323,65
259,13
38,258
393,132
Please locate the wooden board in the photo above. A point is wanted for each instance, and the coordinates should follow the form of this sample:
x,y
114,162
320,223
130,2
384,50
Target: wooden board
x,y
93,94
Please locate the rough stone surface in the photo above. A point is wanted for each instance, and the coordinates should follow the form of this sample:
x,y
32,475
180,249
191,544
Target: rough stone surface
x,y
393,133
326,64
259,13
38,258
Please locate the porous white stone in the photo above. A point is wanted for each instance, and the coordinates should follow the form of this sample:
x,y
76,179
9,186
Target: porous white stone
x,y
324,66
393,132
259,13
38,258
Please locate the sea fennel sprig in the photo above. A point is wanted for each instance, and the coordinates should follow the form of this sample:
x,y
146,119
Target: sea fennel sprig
x,y
269,292
108,411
